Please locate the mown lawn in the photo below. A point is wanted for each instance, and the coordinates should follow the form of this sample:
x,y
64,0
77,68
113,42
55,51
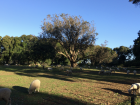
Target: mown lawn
x,y
84,87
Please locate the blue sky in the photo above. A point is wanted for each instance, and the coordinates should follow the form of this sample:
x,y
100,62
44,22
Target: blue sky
x,y
117,21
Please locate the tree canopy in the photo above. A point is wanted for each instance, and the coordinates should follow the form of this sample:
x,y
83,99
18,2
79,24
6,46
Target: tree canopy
x,y
74,34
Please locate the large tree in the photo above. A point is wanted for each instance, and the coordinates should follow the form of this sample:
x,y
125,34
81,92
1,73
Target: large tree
x,y
135,1
74,34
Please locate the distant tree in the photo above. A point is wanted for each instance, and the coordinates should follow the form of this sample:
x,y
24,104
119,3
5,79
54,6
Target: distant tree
x,y
137,2
7,43
74,35
123,53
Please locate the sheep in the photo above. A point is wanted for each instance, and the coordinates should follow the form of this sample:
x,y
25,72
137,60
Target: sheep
x,y
71,68
49,68
107,72
69,72
107,67
6,64
102,71
33,86
118,69
61,68
5,95
128,71
134,87
112,70
58,66
134,72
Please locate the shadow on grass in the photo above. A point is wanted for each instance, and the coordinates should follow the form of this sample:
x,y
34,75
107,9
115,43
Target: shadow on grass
x,y
19,96
61,75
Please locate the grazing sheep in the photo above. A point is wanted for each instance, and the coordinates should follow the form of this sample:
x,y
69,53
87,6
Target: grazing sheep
x,y
33,86
69,72
6,64
100,72
128,71
49,68
134,72
118,69
112,70
107,72
5,95
134,87
58,66
61,68
107,67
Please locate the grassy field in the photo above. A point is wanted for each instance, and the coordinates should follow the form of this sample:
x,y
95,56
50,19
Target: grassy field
x,y
83,87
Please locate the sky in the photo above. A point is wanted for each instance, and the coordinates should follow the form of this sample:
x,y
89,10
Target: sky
x,y
117,21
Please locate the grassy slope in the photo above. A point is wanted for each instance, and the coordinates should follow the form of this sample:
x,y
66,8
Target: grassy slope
x,y
82,88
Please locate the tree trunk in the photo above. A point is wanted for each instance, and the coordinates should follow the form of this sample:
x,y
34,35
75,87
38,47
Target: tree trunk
x,y
73,64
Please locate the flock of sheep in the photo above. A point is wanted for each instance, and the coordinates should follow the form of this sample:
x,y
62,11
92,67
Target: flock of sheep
x,y
35,85
6,92
110,70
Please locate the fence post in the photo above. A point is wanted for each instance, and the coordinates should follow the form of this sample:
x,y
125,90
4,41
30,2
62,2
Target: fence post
x,y
132,100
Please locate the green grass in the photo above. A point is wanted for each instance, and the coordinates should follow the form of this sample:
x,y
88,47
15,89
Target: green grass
x,y
81,88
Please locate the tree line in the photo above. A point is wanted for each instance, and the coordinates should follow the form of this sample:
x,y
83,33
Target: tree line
x,y
65,39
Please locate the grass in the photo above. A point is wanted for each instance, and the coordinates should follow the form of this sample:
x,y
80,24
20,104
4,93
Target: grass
x,y
84,87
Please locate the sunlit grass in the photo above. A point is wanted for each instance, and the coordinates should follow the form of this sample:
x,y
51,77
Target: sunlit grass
x,y
57,88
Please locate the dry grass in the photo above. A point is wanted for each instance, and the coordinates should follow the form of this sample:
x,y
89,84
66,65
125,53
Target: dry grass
x,y
82,88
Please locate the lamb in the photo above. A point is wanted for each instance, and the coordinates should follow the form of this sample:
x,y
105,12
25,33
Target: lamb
x,y
134,72
33,86
134,87
69,72
102,71
128,71
5,95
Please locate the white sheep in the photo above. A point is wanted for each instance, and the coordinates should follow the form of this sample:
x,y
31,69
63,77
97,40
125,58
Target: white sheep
x,y
33,86
68,72
134,87
5,95
101,71
128,71
134,72
49,68
112,70
107,72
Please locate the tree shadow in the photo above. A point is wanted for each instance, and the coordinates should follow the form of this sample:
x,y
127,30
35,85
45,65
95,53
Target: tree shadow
x,y
19,96
85,74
